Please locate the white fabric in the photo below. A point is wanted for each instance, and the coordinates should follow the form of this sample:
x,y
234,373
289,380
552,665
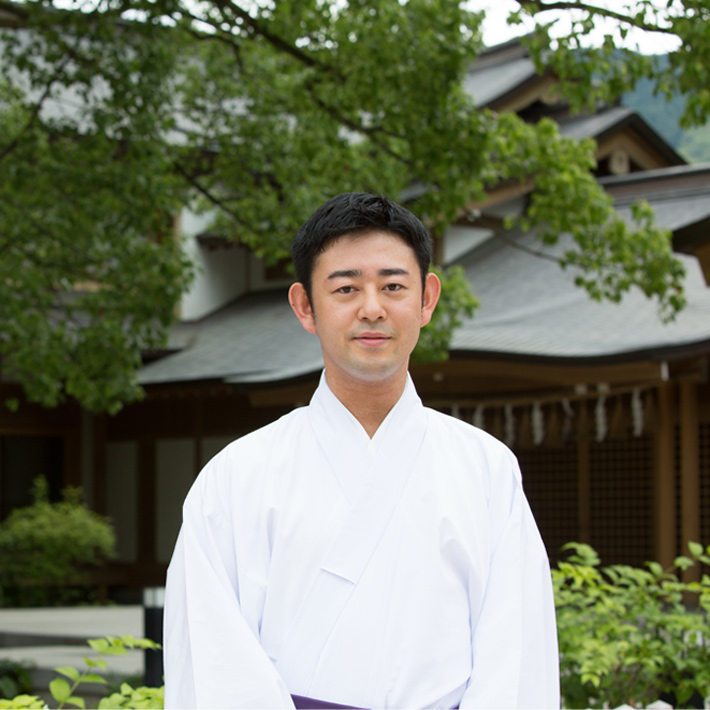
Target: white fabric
x,y
402,571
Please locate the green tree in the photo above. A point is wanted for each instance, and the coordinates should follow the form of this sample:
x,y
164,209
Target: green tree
x,y
115,112
46,549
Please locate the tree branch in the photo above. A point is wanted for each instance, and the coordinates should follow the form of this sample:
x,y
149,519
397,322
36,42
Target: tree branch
x,y
206,193
537,6
11,9
277,42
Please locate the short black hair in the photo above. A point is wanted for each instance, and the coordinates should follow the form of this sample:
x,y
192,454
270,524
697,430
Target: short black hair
x,y
356,213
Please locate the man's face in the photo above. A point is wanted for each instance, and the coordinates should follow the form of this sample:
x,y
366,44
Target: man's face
x,y
366,306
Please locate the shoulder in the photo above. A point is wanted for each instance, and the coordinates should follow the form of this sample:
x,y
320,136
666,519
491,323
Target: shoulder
x,y
467,435
473,453
245,462
260,442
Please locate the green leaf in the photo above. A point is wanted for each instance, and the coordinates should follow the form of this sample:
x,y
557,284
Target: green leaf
x,y
94,663
99,645
69,672
60,690
696,549
655,568
93,678
683,562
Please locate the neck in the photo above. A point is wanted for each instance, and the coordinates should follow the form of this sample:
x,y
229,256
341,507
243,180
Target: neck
x,y
368,402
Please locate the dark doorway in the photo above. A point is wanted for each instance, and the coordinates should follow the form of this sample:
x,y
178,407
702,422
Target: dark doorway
x,y
24,458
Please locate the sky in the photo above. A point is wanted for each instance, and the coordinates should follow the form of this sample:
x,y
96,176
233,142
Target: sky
x,y
495,29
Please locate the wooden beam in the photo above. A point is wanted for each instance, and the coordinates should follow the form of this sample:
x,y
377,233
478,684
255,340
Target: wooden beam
x,y
689,471
664,527
284,396
541,373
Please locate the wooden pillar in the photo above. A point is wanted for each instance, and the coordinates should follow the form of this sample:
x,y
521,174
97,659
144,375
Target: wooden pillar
x,y
198,430
146,503
689,471
72,450
584,478
664,492
100,494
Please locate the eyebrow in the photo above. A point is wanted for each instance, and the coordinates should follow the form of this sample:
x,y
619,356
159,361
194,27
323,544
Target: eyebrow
x,y
354,273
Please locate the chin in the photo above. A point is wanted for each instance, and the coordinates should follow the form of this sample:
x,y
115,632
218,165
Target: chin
x,y
374,373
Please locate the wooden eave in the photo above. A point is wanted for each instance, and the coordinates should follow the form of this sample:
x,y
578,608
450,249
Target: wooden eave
x,y
490,381
470,381
540,88
652,185
645,154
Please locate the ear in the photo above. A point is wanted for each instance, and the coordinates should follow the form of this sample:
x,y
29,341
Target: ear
x,y
301,304
430,297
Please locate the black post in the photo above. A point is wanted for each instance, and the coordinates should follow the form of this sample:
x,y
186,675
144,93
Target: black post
x,y
153,603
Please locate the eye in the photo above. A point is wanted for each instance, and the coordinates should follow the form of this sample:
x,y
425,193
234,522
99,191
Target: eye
x,y
393,287
345,289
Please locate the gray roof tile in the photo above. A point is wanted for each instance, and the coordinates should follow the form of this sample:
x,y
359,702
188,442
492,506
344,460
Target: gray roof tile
x,y
492,82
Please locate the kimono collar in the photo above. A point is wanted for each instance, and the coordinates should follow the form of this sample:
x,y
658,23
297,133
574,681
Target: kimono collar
x,y
343,420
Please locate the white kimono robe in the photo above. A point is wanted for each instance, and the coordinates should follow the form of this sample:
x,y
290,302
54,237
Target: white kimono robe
x,y
404,571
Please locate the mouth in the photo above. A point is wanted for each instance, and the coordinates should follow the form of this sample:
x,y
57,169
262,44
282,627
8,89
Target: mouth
x,y
372,340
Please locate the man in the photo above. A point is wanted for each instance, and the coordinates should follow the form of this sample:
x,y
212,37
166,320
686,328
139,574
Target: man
x,y
363,550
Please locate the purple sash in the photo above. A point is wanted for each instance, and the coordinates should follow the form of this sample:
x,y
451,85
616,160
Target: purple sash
x,y
303,703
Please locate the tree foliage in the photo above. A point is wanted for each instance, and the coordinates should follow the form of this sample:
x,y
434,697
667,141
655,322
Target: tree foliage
x,y
116,112
47,548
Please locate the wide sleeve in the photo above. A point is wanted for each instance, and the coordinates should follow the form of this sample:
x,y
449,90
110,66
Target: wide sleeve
x,y
514,639
212,656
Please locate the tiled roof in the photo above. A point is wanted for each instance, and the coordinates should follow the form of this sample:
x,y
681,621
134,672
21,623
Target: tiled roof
x,y
530,307
490,83
255,339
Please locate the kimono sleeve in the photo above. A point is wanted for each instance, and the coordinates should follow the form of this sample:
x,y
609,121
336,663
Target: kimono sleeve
x,y
212,657
515,652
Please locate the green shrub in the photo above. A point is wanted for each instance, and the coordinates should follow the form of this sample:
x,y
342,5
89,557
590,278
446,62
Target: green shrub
x,y
632,635
14,679
46,549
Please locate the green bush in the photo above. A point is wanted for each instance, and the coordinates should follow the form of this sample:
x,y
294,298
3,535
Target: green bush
x,y
14,679
632,635
47,549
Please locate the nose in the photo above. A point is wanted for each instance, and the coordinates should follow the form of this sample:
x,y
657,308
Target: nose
x,y
371,307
